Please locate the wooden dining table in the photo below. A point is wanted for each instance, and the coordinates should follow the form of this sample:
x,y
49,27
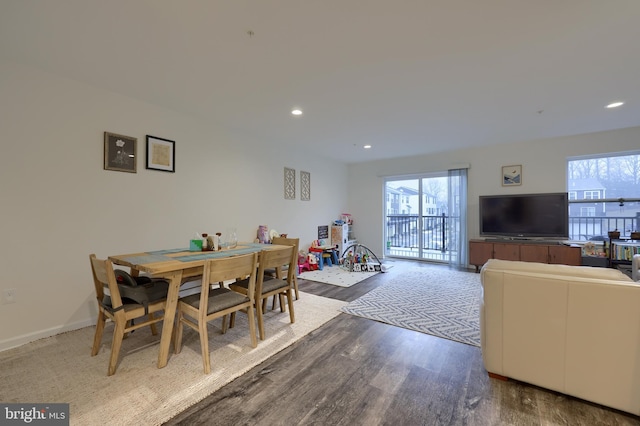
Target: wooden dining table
x,y
177,266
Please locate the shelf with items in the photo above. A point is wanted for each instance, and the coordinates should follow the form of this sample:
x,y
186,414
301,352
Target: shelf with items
x,y
342,233
621,251
594,253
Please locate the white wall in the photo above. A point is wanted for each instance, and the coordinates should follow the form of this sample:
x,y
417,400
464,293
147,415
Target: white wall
x,y
58,204
543,170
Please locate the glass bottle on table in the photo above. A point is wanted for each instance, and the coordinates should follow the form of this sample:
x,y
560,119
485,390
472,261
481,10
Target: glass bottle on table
x,y
232,238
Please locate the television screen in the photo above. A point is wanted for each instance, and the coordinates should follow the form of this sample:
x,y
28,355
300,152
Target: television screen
x,y
525,215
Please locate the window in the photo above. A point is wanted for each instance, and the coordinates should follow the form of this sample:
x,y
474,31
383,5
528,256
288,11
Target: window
x,y
591,195
604,195
587,211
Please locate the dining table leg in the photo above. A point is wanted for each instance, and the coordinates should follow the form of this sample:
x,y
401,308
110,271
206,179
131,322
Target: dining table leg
x,y
175,279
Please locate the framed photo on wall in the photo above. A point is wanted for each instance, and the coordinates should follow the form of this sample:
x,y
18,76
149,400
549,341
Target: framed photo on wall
x,y
511,175
161,154
120,152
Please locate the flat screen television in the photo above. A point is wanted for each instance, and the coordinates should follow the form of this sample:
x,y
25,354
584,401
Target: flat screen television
x,y
525,215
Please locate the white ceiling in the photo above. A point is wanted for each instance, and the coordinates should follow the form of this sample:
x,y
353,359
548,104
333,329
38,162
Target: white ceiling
x,y
406,76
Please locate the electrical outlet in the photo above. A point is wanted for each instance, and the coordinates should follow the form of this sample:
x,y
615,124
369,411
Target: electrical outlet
x,y
9,296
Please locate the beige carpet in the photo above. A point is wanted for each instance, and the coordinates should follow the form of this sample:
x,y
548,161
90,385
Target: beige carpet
x,y
60,368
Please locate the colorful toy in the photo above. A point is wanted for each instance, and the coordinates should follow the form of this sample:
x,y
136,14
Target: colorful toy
x,y
359,258
313,261
303,262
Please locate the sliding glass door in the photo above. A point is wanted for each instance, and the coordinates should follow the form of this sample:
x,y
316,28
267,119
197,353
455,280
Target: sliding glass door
x,y
423,217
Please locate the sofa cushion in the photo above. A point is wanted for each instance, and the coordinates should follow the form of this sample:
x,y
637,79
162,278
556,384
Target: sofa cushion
x,y
555,269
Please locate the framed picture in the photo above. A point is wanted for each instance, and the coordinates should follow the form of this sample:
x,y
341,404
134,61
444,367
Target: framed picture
x,y
511,175
161,154
120,152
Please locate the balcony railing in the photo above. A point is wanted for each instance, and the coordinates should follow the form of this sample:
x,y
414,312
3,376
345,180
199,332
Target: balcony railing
x,y
402,232
403,238
596,228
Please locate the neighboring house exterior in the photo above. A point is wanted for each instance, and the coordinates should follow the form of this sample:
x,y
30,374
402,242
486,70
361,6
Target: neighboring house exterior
x,y
586,189
404,200
592,220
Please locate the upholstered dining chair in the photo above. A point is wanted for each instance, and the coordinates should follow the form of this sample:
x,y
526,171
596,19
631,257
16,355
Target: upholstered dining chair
x,y
267,286
122,314
295,242
196,310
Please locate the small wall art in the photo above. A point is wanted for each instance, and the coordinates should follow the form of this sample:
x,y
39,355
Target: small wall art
x,y
289,184
120,152
511,175
305,186
161,154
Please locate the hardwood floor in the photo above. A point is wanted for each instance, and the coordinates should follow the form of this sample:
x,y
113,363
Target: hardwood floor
x,y
354,371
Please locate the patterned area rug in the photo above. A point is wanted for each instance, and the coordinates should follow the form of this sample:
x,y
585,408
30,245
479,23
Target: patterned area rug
x,y
443,303
336,275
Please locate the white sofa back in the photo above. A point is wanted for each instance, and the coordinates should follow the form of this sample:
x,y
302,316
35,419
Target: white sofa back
x,y
572,329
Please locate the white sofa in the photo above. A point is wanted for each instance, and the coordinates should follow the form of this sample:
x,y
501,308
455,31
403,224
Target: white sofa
x,y
571,329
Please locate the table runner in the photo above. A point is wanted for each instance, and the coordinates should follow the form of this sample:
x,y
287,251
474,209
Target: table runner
x,y
253,248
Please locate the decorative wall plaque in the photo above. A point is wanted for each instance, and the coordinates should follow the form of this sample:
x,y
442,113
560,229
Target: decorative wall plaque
x,y
305,186
289,184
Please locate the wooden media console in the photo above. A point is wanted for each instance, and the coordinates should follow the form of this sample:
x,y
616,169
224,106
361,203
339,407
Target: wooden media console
x,y
528,251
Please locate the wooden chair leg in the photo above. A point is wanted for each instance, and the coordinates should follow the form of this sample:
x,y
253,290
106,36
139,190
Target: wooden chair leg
x,y
260,319
281,298
116,344
204,346
154,329
177,332
97,338
290,299
295,286
232,322
128,324
252,326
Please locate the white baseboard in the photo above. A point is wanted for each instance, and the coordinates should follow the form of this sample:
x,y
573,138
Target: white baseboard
x,y
14,342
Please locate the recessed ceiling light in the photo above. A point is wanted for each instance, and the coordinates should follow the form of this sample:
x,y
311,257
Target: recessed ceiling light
x,y
296,111
615,104
367,146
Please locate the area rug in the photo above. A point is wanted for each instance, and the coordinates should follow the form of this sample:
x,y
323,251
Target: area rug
x,y
443,303
61,369
336,275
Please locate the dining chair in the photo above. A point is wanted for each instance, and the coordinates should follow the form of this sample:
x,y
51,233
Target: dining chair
x,y
295,242
195,311
111,306
267,286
